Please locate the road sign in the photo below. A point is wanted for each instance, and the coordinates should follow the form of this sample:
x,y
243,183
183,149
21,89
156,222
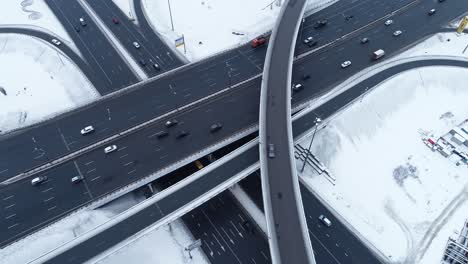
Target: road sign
x,y
179,41
194,245
462,25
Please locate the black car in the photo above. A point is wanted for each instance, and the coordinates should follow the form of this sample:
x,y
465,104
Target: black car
x,y
77,29
215,127
313,43
321,23
162,134
349,17
143,62
182,134
171,122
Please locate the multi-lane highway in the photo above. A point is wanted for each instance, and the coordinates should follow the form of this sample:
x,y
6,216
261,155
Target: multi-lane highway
x,y
97,50
181,88
44,142
348,249
227,233
152,49
287,230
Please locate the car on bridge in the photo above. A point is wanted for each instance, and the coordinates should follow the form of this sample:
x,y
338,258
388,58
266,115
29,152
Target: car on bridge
x,y
110,149
38,180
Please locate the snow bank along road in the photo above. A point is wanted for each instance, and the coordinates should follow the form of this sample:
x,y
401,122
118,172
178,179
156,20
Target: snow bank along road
x,y
111,116
84,67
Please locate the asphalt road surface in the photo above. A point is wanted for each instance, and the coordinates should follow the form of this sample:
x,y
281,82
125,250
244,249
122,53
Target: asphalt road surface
x,y
115,114
41,144
152,48
150,215
289,241
325,253
333,245
96,49
227,233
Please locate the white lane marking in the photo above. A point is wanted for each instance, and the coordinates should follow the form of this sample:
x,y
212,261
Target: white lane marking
x,y
10,216
9,206
9,197
10,227
48,199
51,208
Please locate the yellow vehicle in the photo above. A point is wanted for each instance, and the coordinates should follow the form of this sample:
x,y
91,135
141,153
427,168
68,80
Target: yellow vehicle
x,y
198,164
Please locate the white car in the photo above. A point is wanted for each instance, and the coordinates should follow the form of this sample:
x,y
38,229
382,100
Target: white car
x,y
77,179
87,130
388,22
38,180
136,45
325,220
56,42
307,40
110,148
397,33
297,87
345,64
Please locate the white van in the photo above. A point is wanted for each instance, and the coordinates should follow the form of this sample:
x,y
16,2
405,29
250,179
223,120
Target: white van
x,y
325,221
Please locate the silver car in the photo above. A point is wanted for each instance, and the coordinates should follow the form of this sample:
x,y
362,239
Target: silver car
x,y
110,149
87,130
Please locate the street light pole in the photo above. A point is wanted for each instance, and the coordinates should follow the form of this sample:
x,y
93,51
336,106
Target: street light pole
x,y
170,13
317,122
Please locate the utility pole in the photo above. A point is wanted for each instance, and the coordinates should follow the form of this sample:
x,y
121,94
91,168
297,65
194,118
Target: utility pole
x,y
170,13
317,122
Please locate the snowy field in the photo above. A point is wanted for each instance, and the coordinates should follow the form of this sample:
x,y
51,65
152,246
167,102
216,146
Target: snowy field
x,y
159,246
404,198
211,26
37,82
34,14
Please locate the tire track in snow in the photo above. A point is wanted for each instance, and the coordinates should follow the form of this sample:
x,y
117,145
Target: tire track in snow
x,y
436,226
401,223
34,15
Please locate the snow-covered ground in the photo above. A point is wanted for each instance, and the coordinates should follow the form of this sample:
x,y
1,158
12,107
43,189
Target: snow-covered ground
x,y
127,7
34,14
402,197
159,246
211,26
39,82
63,231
